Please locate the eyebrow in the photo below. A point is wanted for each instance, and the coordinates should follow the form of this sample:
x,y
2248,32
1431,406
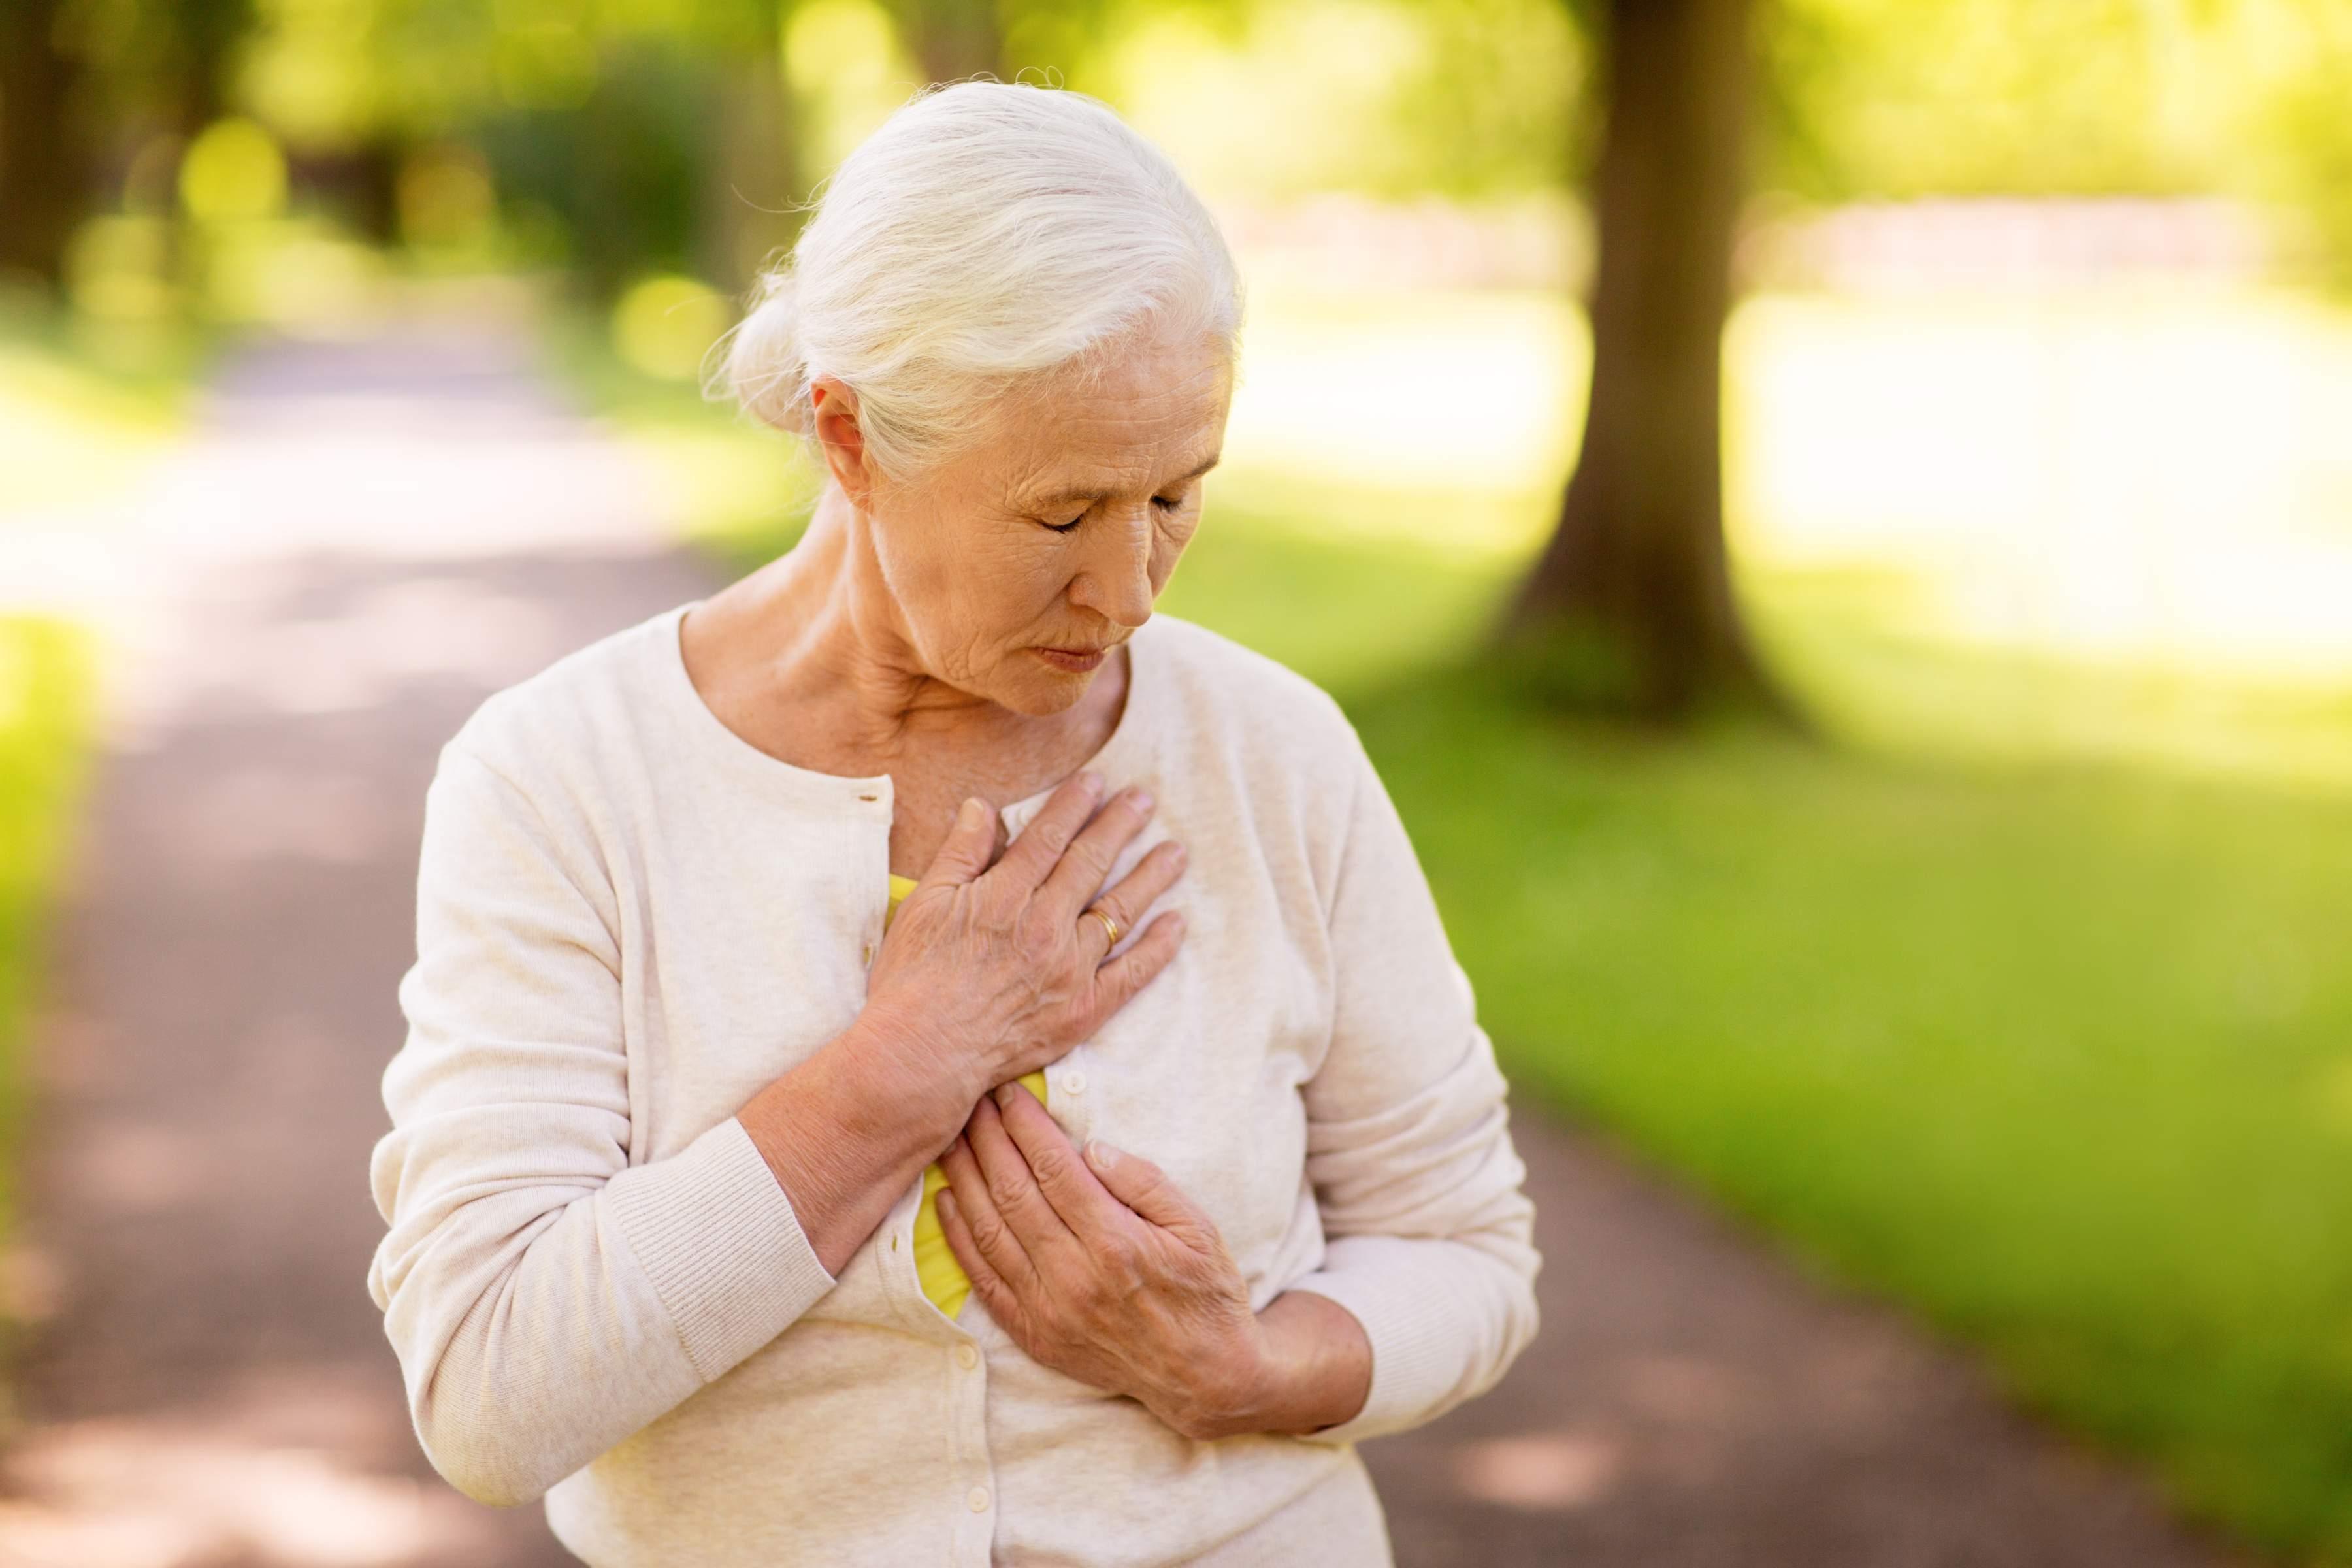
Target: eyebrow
x,y
1065,497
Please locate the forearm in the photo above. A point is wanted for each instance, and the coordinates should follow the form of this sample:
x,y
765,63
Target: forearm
x,y
848,1131
539,1321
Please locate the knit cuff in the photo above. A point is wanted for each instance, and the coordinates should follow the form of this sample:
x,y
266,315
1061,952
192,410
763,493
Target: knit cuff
x,y
714,1230
1415,1321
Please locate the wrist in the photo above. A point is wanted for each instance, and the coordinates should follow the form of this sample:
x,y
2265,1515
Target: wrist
x,y
911,1076
843,1139
1264,1393
1310,1367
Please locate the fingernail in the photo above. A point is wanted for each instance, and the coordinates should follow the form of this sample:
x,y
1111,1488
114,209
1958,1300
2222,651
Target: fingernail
x,y
1101,1154
1005,1092
968,814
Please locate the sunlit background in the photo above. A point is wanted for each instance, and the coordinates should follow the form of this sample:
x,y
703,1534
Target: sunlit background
x,y
2011,992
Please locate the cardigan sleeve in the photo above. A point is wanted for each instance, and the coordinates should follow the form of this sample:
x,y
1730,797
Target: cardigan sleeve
x,y
1429,1233
547,1298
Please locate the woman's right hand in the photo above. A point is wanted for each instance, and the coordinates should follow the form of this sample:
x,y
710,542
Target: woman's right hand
x,y
990,971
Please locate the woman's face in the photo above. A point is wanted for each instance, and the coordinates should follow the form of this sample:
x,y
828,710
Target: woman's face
x,y
1058,530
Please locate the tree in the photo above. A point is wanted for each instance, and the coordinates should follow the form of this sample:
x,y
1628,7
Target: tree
x,y
754,168
45,163
952,40
1629,607
205,36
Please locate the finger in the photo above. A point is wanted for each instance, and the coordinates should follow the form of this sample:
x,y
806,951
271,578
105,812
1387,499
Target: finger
x,y
990,1234
1145,1188
1011,1185
1027,859
1152,876
970,846
985,1281
1118,981
1084,1204
1078,874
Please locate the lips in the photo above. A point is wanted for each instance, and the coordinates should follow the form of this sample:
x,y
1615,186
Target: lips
x,y
1074,662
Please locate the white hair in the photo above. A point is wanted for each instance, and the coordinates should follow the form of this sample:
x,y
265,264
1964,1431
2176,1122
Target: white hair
x,y
988,233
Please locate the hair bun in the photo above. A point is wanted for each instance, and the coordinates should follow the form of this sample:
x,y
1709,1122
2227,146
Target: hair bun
x,y
765,368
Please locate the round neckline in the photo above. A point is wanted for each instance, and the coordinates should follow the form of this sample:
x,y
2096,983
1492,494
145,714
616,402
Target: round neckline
x,y
1142,676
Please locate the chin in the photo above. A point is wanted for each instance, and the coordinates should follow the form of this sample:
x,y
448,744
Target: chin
x,y
1048,691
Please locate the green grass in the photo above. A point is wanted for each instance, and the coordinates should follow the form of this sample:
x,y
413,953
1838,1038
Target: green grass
x,y
2062,1057
2023,1005
46,677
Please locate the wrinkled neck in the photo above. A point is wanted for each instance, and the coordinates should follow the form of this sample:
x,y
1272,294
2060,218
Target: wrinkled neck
x,y
834,642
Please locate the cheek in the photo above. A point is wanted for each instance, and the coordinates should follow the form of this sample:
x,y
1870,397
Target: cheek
x,y
962,596
995,603
1168,546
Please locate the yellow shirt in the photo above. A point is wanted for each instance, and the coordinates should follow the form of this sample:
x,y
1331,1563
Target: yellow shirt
x,y
944,1278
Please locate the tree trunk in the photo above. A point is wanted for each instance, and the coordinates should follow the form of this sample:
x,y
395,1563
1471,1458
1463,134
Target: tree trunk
x,y
746,217
205,38
1630,605
952,40
44,167
206,35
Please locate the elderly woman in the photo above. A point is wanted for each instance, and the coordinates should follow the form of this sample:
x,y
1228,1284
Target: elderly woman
x,y
799,1158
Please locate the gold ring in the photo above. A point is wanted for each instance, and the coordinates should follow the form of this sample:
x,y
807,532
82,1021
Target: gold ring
x,y
1110,925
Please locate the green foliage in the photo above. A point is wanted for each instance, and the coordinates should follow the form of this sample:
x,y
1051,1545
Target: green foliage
x,y
1903,98
621,171
46,690
1390,97
1963,95
606,122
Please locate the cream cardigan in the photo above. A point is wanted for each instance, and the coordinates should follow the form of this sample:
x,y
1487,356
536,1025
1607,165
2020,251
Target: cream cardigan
x,y
629,921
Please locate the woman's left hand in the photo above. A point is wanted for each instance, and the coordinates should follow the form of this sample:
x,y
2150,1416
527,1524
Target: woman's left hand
x,y
1103,1271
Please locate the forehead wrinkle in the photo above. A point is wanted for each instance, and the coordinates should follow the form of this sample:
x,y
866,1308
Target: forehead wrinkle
x,y
1066,493
1113,431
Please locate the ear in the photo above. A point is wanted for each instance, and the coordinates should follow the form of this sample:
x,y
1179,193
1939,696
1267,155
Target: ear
x,y
842,437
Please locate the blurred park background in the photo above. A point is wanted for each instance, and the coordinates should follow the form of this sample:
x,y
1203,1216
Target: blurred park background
x,y
1834,518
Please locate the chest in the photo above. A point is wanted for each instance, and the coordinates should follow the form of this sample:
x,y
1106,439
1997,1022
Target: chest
x,y
748,956
927,793
926,813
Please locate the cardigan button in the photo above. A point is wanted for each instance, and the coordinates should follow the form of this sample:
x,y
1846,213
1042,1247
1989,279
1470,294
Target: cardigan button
x,y
967,1357
978,1498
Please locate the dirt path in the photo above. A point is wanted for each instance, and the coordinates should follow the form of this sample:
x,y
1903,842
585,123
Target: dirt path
x,y
367,540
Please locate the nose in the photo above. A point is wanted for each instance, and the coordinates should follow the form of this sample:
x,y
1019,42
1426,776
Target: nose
x,y
1116,581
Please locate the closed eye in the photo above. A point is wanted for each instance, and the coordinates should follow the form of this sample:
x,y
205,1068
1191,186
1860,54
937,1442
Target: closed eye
x,y
1162,502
